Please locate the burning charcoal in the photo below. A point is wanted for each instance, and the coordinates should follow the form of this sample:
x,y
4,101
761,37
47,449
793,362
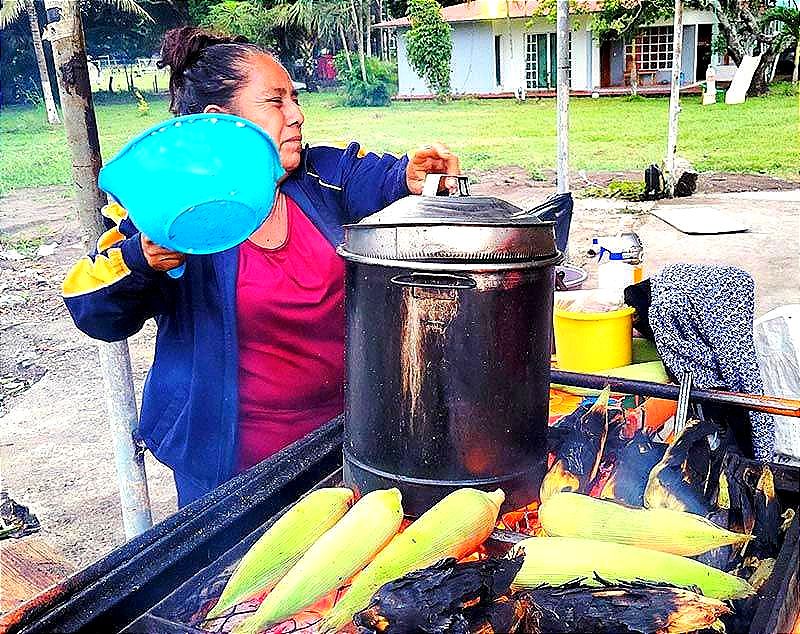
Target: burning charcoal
x,y
641,608
681,479
433,600
633,464
578,457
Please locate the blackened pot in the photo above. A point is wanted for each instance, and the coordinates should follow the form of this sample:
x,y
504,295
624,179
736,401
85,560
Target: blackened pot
x,y
448,372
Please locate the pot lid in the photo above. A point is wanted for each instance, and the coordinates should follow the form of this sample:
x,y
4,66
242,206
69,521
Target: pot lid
x,y
458,227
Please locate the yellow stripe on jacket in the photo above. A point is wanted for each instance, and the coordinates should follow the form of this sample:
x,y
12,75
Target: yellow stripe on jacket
x,y
109,239
90,275
115,212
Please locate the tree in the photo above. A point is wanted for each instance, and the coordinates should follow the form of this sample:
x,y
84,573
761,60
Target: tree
x,y
747,29
621,19
316,23
11,10
430,45
788,18
241,18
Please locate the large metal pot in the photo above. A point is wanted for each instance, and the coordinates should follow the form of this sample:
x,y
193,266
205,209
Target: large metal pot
x,y
449,311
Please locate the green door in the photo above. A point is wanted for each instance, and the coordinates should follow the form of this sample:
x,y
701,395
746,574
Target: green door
x,y
541,60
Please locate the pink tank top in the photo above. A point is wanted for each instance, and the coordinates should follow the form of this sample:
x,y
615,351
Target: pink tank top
x,y
290,321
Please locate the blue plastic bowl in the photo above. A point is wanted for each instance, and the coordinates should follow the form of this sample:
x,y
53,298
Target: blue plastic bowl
x,y
196,184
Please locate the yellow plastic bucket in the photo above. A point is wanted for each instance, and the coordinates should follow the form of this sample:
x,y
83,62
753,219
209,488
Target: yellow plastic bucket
x,y
589,342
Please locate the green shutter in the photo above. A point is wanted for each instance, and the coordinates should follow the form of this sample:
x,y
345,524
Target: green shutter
x,y
541,65
553,61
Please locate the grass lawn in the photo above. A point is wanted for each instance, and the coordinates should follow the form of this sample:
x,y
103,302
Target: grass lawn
x,y
606,134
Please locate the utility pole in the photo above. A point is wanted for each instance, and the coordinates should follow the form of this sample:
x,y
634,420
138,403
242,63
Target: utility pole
x,y
674,99
65,32
562,96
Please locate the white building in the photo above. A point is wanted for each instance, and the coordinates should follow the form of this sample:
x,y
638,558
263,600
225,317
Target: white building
x,y
499,54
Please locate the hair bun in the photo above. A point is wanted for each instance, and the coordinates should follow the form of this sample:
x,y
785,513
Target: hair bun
x,y
182,46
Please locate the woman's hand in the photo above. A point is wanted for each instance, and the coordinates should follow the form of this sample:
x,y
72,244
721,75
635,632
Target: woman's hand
x,y
429,159
159,258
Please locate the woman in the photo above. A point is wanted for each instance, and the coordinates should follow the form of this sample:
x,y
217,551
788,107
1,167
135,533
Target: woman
x,y
250,343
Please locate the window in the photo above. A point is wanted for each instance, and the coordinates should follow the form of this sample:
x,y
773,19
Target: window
x,y
541,69
497,49
531,61
654,48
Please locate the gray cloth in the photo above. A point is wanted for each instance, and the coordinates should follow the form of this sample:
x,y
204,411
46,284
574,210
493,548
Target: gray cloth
x,y
702,320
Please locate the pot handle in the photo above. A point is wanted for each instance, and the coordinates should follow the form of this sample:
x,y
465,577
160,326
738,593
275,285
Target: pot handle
x,y
436,281
434,181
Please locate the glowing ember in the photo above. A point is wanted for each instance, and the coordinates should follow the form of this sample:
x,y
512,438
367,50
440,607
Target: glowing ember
x,y
524,520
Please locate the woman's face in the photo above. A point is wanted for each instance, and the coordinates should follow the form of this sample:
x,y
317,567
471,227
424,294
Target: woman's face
x,y
269,100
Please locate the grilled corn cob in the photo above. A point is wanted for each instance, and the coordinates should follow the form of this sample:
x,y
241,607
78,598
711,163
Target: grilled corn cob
x,y
557,560
574,515
332,559
278,549
454,527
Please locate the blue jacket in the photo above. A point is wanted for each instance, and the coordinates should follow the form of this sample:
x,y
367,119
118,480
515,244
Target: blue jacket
x,y
189,416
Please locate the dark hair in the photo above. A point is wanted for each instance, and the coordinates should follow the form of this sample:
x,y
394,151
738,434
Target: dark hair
x,y
204,68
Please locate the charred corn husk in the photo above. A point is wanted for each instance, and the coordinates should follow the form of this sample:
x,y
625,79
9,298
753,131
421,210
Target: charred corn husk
x,y
578,457
282,545
575,515
641,608
454,527
632,464
680,480
435,597
558,560
341,552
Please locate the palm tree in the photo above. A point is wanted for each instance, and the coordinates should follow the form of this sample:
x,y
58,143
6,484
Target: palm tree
x,y
322,22
789,19
11,10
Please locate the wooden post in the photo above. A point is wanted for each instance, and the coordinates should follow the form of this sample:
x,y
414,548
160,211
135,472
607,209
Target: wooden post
x,y
65,32
562,96
674,99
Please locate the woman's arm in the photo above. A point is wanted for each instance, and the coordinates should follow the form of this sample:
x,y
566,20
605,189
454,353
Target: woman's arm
x,y
111,292
371,182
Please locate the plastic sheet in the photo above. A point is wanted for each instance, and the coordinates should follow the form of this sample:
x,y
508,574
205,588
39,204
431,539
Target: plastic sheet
x,y
777,340
600,300
557,208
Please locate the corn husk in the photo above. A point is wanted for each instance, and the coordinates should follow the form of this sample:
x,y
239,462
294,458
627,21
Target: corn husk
x,y
580,453
574,515
558,560
454,527
341,552
282,545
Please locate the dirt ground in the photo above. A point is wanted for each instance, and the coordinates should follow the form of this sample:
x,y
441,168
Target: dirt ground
x,y
55,446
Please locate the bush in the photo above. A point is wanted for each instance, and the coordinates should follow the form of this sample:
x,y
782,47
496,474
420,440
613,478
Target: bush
x,y
430,45
381,81
784,89
621,189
